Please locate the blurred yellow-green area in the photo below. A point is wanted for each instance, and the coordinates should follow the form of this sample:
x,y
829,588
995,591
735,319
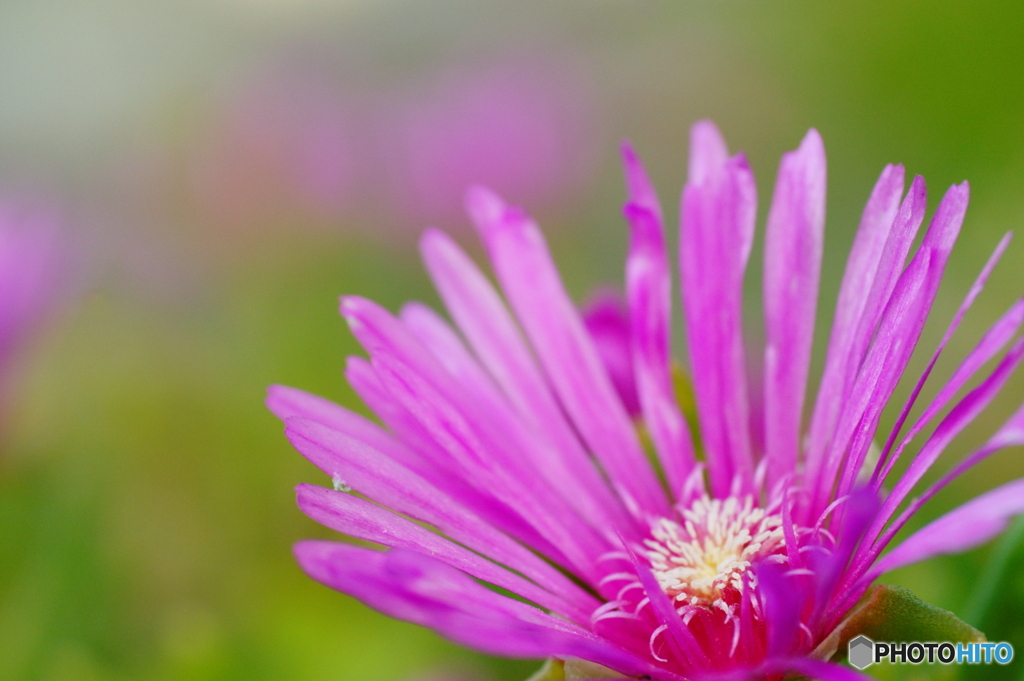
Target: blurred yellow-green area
x,y
227,168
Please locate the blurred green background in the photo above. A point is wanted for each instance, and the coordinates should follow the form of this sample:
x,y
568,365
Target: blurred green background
x,y
227,168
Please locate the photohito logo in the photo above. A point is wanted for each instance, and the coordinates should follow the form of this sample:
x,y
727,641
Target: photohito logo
x,y
863,652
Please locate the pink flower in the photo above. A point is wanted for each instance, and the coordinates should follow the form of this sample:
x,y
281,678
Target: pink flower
x,y
31,271
506,439
520,124
285,140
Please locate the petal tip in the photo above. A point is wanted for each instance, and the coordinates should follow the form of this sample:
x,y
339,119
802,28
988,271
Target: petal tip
x,y
274,400
627,151
430,236
639,188
708,151
812,140
483,205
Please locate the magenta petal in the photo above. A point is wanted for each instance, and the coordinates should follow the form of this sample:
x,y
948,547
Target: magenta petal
x,y
361,519
1009,435
792,267
386,482
364,381
717,231
679,634
607,321
478,431
497,342
958,418
435,465
418,589
890,267
287,402
782,600
439,469
862,267
860,509
879,309
708,152
891,349
991,343
961,529
649,292
449,350
531,282
638,184
478,451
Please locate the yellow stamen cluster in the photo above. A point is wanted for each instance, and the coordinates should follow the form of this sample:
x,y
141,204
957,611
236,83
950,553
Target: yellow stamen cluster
x,y
710,549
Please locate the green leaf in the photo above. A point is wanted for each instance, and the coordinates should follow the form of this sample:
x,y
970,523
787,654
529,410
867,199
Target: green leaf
x,y
894,614
988,582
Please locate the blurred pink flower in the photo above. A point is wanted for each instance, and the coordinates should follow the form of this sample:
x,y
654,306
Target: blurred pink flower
x,y
32,271
294,140
284,141
522,124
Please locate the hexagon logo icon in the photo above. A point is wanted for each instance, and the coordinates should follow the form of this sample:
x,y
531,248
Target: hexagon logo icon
x,y
861,652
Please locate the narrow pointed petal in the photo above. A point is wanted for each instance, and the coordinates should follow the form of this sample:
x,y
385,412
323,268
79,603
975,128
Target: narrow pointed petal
x,y
718,210
649,292
1011,434
894,344
792,268
836,394
782,604
497,342
862,266
287,402
907,311
607,321
905,227
708,152
363,379
963,528
361,519
638,184
979,357
528,276
679,633
389,484
480,453
478,432
991,343
958,418
449,350
440,470
418,589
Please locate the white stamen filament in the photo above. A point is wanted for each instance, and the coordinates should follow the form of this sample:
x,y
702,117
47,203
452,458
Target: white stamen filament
x,y
710,550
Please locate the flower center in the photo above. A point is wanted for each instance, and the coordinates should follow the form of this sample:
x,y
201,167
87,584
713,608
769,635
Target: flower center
x,y
704,558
